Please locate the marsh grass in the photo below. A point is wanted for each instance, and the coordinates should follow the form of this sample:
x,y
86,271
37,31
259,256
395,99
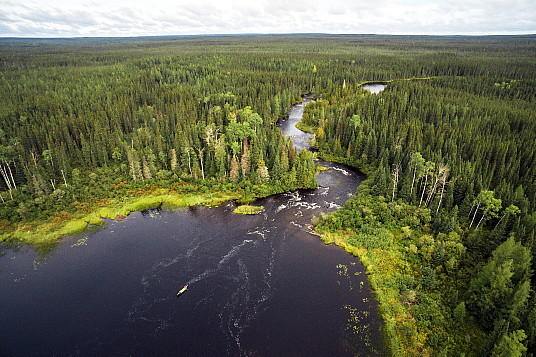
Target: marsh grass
x,y
93,220
73,227
144,204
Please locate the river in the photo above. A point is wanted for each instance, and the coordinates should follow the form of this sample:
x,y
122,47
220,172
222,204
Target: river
x,y
258,285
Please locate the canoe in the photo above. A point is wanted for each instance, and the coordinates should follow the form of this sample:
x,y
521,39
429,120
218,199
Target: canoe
x,y
183,289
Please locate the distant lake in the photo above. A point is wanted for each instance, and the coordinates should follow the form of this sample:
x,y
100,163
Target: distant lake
x,y
374,88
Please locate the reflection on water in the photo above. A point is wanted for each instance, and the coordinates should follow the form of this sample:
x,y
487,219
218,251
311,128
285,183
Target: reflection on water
x,y
374,88
258,285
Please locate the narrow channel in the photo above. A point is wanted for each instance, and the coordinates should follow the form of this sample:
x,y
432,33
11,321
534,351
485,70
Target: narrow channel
x,y
258,285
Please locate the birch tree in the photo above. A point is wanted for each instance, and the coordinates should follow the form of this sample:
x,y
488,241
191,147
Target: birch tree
x,y
174,161
7,155
437,178
511,210
443,181
429,167
395,175
487,204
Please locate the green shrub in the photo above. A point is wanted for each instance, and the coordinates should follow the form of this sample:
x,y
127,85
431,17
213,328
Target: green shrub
x,y
372,238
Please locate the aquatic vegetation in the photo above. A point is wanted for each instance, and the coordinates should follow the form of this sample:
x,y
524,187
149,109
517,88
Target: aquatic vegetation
x,y
80,242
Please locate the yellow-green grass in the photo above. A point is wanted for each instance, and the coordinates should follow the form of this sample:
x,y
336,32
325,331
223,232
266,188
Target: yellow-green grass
x,y
248,209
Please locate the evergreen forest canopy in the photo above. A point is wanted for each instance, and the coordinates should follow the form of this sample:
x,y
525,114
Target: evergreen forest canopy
x,y
445,221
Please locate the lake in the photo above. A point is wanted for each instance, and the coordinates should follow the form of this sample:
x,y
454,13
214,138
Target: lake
x,y
374,88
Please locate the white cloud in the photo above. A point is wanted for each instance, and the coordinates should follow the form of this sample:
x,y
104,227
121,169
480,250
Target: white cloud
x,y
68,18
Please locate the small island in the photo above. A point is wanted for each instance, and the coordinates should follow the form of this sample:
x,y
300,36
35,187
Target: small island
x,y
248,209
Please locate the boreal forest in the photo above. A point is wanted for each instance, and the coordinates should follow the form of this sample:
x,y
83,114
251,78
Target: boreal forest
x,y
444,223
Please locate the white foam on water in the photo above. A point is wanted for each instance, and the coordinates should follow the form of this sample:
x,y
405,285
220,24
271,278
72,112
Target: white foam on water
x,y
234,317
249,295
242,307
140,311
295,196
332,205
343,171
281,207
209,272
323,191
192,250
296,224
307,205
204,300
154,273
261,232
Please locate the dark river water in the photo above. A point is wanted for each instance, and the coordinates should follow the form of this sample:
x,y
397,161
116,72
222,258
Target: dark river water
x,y
258,285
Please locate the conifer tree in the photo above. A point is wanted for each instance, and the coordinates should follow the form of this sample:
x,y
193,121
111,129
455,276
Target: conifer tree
x,y
501,289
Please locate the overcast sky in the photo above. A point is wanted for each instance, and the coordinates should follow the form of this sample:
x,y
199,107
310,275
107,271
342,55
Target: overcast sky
x,y
73,18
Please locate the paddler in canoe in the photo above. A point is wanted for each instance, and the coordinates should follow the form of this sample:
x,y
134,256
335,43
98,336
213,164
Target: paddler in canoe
x,y
183,289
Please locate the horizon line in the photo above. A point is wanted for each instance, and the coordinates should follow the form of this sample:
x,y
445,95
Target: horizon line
x,y
263,34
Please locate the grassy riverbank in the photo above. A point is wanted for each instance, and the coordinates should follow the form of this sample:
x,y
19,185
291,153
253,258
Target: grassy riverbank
x,y
65,223
73,214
